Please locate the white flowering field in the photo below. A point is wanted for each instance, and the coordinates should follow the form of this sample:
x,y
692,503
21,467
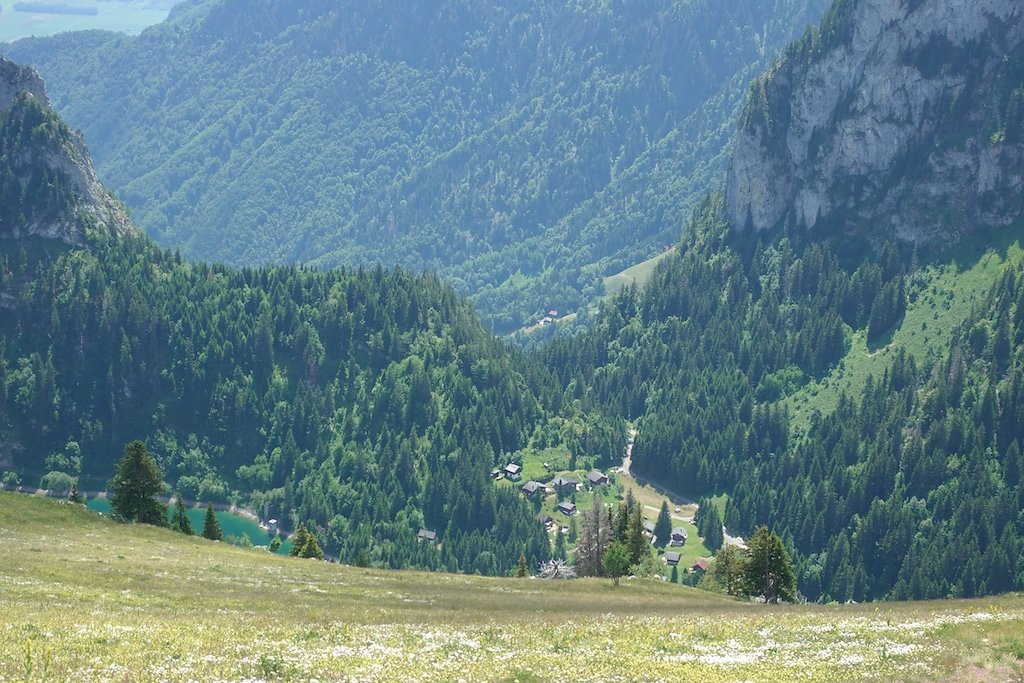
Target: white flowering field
x,y
84,599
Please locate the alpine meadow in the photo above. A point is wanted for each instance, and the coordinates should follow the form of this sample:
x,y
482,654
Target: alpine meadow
x,y
604,340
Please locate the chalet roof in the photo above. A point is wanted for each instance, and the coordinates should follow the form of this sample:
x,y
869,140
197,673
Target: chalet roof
x,y
532,487
597,477
567,507
648,526
513,468
427,534
679,531
701,564
560,481
672,557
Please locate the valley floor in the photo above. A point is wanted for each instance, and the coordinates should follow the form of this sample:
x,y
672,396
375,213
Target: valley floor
x,y
85,599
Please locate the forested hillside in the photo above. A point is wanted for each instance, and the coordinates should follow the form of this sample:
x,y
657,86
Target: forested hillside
x,y
525,149
366,404
856,392
910,488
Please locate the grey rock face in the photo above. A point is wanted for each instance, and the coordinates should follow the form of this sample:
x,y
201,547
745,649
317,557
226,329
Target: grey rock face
x,y
16,79
69,158
890,130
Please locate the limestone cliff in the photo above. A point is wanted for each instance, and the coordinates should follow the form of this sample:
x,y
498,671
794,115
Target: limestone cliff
x,y
895,118
48,186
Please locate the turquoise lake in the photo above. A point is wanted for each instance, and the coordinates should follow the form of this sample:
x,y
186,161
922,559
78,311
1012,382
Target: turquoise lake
x,y
231,524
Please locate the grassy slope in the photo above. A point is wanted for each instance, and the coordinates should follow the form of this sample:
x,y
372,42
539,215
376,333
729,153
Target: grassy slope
x,y
86,599
640,274
941,296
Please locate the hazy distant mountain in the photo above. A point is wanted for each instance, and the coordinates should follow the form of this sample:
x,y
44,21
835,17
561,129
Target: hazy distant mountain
x,y
523,148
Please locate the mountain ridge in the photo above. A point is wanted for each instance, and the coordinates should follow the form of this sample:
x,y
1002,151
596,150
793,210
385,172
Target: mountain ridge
x,y
49,186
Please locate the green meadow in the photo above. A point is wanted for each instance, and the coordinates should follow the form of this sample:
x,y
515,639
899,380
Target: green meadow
x,y
88,599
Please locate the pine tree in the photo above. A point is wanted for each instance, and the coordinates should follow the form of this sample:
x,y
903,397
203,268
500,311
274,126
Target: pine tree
x,y
621,525
521,571
663,527
180,521
559,544
769,571
713,535
636,541
75,496
136,484
311,548
674,578
211,527
299,541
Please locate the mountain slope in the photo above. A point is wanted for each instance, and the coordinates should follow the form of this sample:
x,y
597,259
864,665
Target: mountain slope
x,y
905,116
525,149
364,403
48,183
838,386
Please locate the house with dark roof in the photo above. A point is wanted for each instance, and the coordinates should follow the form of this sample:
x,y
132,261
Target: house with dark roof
x,y
532,488
597,478
427,535
678,536
564,484
649,527
672,558
567,508
514,471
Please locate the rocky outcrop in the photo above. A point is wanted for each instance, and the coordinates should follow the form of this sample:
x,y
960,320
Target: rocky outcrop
x,y
59,156
896,118
16,79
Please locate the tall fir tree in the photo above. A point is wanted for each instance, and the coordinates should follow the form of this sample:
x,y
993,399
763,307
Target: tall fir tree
x,y
180,521
521,571
663,527
636,540
136,484
211,527
714,537
299,540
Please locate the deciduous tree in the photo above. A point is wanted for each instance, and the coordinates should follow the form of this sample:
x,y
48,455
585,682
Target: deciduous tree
x,y
769,571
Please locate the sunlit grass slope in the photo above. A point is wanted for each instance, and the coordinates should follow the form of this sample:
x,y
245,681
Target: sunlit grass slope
x,y
941,295
85,599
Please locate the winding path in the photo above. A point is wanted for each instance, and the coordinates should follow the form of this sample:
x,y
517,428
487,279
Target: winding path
x,y
672,496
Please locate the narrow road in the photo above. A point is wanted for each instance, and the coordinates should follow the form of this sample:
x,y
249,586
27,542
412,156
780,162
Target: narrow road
x,y
627,464
675,498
